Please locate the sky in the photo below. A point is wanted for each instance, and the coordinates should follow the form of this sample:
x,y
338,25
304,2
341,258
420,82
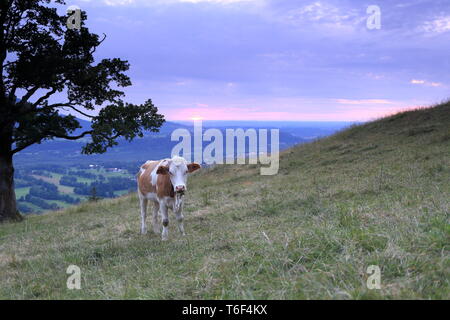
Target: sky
x,y
281,60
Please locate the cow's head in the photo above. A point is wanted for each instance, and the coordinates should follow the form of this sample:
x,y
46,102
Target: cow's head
x,y
178,168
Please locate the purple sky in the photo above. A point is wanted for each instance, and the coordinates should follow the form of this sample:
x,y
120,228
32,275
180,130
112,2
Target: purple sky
x,y
277,59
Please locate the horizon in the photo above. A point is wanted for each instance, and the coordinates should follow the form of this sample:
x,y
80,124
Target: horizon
x,y
260,60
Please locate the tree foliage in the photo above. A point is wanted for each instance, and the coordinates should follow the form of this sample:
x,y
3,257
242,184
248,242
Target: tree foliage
x,y
47,68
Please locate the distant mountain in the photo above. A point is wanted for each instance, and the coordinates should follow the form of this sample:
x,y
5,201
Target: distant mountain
x,y
156,145
152,145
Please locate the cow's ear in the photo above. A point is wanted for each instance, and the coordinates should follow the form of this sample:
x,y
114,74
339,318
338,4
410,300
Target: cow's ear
x,y
193,166
162,170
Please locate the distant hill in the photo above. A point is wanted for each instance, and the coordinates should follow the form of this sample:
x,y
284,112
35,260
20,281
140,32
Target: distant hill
x,y
155,145
65,151
375,194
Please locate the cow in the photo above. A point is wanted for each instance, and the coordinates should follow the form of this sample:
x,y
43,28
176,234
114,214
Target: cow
x,y
164,183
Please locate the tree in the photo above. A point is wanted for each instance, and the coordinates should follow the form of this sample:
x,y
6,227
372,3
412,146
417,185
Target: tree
x,y
93,197
42,61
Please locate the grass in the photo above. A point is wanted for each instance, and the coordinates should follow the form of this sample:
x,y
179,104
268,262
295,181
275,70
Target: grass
x,y
53,179
21,192
375,194
56,178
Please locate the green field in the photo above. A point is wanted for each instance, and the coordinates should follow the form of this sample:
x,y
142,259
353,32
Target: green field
x,y
375,194
54,178
20,192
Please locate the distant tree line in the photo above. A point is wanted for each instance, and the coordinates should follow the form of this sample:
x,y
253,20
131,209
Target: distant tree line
x,y
132,167
46,191
71,181
103,188
39,202
29,181
24,208
26,170
83,174
51,194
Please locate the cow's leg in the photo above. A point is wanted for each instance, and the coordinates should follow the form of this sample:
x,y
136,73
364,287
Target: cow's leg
x,y
165,220
180,218
156,226
143,202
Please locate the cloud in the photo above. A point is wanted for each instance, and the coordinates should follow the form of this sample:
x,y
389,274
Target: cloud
x,y
252,53
319,11
292,110
114,3
118,2
218,1
439,25
323,14
363,101
375,76
426,83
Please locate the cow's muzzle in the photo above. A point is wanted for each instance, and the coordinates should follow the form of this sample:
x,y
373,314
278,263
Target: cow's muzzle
x,y
180,189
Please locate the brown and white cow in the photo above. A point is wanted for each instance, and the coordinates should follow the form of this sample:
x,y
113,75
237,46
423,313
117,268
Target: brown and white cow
x,y
164,183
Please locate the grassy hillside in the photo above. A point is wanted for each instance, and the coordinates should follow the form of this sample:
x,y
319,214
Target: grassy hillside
x,y
376,194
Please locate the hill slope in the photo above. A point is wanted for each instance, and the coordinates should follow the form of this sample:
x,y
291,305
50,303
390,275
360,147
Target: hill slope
x,y
376,194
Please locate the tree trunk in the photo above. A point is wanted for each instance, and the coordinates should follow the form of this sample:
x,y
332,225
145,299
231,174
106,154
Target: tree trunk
x,y
8,208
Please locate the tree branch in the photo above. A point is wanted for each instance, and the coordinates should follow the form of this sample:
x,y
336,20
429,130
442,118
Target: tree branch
x,y
100,42
81,112
71,106
45,97
29,94
71,137
51,134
